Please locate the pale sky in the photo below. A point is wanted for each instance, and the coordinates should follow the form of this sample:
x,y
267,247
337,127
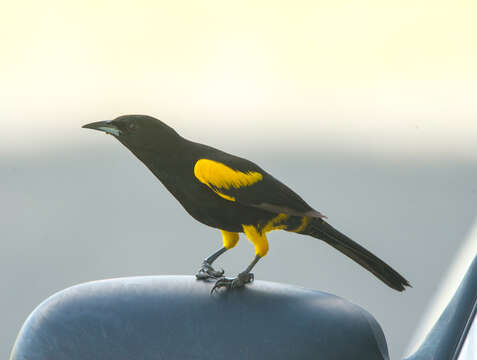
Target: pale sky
x,y
388,77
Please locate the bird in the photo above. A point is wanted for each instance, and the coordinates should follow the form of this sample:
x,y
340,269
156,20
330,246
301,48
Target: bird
x,y
233,195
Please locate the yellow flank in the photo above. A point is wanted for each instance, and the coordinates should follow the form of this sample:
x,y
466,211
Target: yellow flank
x,y
229,239
276,223
219,176
305,220
258,238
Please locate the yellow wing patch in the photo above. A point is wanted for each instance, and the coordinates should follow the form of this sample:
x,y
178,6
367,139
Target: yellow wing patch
x,y
219,176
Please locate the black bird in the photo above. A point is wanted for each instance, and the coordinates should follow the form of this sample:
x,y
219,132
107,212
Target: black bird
x,y
233,195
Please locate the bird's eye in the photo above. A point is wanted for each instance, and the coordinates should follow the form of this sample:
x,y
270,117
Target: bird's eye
x,y
132,126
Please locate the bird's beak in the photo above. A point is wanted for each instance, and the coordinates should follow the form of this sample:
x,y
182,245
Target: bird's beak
x,y
105,126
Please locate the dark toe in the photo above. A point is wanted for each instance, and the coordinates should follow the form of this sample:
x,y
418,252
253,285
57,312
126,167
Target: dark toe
x,y
224,282
208,272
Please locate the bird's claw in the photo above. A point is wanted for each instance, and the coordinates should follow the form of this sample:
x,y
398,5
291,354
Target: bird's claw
x,y
207,272
233,283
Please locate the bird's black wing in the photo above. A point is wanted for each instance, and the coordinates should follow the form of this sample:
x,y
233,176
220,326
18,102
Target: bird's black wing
x,y
240,180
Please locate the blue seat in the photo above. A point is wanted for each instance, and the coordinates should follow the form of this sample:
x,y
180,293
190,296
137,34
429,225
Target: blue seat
x,y
176,317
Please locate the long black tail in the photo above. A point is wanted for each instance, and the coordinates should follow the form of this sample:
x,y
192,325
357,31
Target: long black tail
x,y
320,229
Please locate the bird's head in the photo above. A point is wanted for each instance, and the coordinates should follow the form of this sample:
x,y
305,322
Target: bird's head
x,y
138,132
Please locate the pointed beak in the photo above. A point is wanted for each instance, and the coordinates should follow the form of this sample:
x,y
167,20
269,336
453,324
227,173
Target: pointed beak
x,y
105,126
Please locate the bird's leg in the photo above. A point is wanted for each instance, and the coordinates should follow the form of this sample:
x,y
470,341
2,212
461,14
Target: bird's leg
x,y
206,271
243,278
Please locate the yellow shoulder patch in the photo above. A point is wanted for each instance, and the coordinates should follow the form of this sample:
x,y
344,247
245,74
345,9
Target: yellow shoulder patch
x,y
219,176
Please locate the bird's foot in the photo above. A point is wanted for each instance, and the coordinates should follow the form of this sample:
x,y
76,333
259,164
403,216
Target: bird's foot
x,y
208,272
233,283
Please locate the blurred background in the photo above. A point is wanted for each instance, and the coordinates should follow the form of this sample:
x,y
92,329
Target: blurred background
x,y
366,108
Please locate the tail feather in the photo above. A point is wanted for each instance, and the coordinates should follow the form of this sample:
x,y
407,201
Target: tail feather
x,y
320,229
